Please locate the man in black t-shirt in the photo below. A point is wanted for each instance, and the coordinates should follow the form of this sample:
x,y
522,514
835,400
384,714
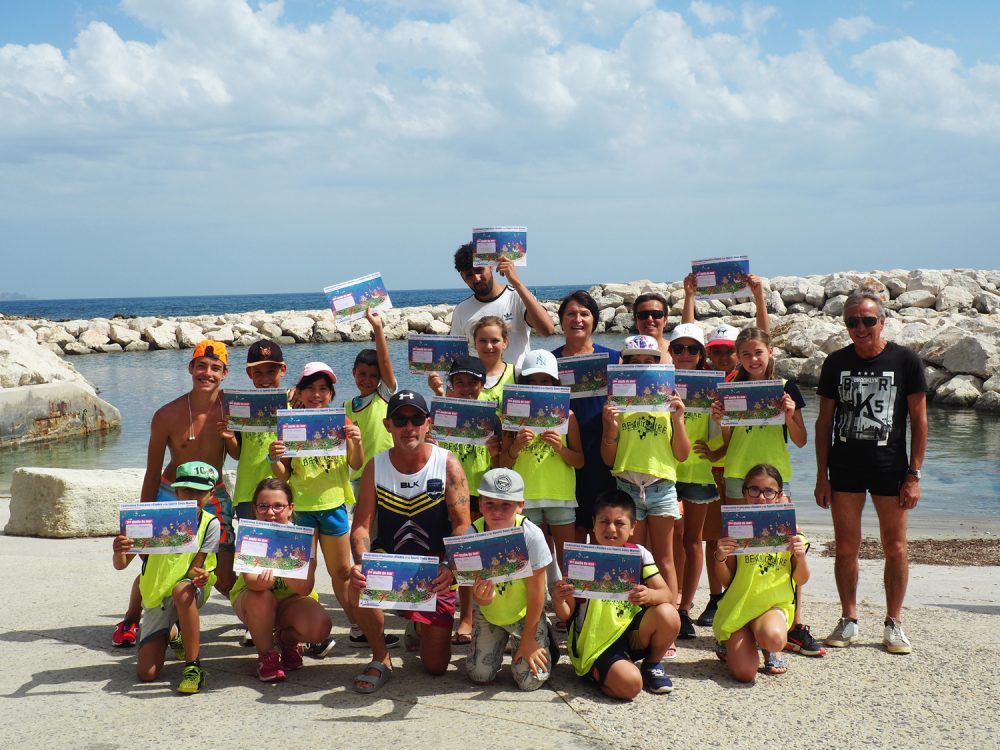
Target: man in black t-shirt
x,y
867,392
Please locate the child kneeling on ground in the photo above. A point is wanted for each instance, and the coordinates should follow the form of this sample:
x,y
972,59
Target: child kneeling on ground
x,y
606,638
760,590
513,609
174,586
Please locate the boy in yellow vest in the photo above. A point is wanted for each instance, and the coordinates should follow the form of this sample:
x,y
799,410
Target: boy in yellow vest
x,y
174,586
514,609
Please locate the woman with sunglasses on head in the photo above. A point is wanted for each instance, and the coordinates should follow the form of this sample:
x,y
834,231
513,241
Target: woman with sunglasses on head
x,y
280,613
759,602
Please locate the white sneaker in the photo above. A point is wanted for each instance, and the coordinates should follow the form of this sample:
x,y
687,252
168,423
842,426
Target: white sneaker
x,y
844,634
894,639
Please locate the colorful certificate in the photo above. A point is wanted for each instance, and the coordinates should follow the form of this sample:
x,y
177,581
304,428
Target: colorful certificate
x,y
537,407
722,277
313,432
161,528
600,572
430,353
641,387
282,547
499,556
254,410
493,244
350,299
399,581
584,375
759,528
748,403
464,421
698,389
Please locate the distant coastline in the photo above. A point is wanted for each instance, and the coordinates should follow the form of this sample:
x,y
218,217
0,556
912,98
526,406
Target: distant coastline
x,y
14,297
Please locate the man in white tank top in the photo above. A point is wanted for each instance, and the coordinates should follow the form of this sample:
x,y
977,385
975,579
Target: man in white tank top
x,y
419,494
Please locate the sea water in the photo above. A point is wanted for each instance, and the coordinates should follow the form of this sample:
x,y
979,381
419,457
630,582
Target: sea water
x,y
961,474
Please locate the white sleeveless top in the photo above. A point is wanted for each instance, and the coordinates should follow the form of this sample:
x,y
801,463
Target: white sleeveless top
x,y
411,512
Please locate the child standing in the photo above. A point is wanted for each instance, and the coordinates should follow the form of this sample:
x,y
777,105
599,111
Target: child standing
x,y
173,587
322,485
760,596
606,638
643,450
546,461
513,609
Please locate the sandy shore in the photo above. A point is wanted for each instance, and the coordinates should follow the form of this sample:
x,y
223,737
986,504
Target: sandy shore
x,y
66,687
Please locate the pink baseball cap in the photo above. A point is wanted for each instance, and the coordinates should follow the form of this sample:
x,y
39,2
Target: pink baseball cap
x,y
314,368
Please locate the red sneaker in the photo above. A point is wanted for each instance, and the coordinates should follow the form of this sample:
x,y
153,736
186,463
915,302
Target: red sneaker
x,y
269,667
124,634
291,657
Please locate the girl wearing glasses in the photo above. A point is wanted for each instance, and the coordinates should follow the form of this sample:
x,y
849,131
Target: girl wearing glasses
x,y
759,601
280,613
322,486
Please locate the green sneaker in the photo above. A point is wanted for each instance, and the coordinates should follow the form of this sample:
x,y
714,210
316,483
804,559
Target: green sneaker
x,y
177,644
192,679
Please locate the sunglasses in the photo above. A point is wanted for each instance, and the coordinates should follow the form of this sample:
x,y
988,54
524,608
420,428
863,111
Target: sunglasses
x,y
720,350
416,420
277,508
854,321
691,349
647,314
768,493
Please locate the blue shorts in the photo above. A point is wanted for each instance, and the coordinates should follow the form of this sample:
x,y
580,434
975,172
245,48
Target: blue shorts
x,y
554,515
622,649
219,505
700,494
331,522
660,499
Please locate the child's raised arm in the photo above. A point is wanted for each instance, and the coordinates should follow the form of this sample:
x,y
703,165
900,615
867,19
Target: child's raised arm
x,y
381,350
690,287
757,289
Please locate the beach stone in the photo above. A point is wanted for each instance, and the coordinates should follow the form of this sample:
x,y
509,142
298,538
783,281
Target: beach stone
x,y
916,298
815,295
299,327
65,503
895,284
123,335
58,336
606,315
971,355
110,348
93,338
934,350
439,327
137,346
789,368
953,298
76,348
246,339
269,329
835,305
189,334
811,368
926,280
988,401
967,279
842,284
986,302
611,300
163,336
794,290
623,321
744,310
993,383
419,321
836,341
935,377
800,308
284,340
223,335
775,305
961,390
913,335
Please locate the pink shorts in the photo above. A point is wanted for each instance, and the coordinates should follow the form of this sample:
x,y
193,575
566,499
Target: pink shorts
x,y
442,617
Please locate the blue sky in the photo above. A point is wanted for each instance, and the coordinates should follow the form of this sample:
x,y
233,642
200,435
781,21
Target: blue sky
x,y
155,147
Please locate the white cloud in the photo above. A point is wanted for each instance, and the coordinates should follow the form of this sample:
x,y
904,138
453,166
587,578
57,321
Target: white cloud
x,y
850,29
709,14
756,17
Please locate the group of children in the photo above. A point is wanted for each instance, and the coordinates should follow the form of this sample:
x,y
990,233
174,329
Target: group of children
x,y
661,462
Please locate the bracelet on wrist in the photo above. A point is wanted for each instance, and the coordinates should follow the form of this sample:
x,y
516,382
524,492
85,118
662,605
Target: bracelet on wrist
x,y
716,557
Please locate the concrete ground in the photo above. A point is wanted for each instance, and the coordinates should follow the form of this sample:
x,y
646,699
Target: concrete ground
x,y
63,685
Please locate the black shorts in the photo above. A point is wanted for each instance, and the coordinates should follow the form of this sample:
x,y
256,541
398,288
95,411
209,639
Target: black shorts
x,y
872,481
620,650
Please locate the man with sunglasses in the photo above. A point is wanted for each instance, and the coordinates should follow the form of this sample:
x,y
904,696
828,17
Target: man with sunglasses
x,y
415,494
513,303
867,392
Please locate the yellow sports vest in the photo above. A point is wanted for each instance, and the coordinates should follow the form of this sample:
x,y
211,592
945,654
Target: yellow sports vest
x,y
644,445
546,475
279,589
759,444
495,392
697,470
510,604
321,482
374,437
253,466
160,573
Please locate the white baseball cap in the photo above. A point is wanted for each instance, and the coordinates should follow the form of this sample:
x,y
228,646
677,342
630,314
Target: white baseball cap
x,y
723,335
640,345
539,360
502,484
688,331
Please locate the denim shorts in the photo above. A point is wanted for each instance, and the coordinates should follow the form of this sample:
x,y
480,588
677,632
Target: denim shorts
x,y
554,515
699,494
660,500
332,522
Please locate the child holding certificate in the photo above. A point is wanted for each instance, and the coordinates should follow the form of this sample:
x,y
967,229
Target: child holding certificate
x,y
276,610
513,609
490,338
322,486
605,638
643,450
546,461
759,601
173,586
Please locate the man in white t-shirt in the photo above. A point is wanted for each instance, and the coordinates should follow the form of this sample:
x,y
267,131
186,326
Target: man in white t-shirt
x,y
513,303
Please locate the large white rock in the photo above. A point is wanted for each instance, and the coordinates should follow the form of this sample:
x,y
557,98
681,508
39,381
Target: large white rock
x,y
419,320
58,335
163,336
974,356
123,335
916,298
299,327
835,306
961,390
223,335
815,295
439,328
793,289
69,502
988,401
954,298
24,362
94,338
986,302
927,280
189,334
934,350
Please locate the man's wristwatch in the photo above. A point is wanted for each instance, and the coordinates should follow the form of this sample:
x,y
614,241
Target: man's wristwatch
x,y
915,473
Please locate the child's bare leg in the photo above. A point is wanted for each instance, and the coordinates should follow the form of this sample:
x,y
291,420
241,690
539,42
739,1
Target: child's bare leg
x,y
257,610
694,520
623,681
742,656
435,648
658,630
224,575
680,552
186,602
639,533
149,660
770,630
301,619
134,611
465,611
661,544
337,556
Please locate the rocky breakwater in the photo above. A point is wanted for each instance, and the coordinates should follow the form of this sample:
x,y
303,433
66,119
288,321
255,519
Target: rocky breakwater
x,y
43,397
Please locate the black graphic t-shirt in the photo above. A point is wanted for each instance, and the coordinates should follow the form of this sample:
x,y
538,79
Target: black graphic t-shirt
x,y
869,426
